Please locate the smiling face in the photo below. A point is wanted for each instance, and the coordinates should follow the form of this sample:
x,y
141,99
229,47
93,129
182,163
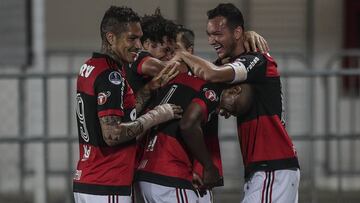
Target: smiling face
x,y
127,44
224,39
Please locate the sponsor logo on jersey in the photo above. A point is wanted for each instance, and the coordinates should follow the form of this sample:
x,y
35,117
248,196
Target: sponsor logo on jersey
x,y
252,64
86,70
77,175
102,97
210,95
115,78
87,151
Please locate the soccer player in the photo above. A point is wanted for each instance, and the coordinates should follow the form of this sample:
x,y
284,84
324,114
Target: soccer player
x,y
106,112
158,41
270,160
165,171
185,41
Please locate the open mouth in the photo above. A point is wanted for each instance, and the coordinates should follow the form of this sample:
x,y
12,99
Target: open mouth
x,y
133,53
218,47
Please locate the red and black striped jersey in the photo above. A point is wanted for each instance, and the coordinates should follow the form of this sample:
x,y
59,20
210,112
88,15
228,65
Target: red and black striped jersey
x,y
264,141
134,74
166,160
103,91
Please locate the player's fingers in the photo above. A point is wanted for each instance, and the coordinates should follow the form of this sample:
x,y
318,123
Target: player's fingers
x,y
253,44
227,115
176,109
247,46
259,45
266,45
172,75
166,69
177,116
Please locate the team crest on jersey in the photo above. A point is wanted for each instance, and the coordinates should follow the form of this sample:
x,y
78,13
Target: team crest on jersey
x,y
102,97
115,78
210,95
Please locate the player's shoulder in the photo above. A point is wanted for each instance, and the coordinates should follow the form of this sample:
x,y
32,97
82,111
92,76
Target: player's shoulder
x,y
255,57
188,80
142,54
97,65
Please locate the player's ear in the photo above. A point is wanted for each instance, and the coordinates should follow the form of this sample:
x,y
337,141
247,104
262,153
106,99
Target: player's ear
x,y
146,44
237,89
110,37
190,49
238,32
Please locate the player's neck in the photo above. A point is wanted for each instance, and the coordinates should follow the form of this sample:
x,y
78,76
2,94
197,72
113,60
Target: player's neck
x,y
106,49
238,50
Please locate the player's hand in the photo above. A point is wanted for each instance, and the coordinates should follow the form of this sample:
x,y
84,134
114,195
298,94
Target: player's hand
x,y
211,177
166,74
223,112
253,42
197,181
168,111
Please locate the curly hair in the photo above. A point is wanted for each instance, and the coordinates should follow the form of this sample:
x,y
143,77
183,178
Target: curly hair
x,y
116,20
155,27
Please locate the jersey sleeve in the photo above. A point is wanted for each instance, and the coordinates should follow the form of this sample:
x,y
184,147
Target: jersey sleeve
x,y
208,98
141,57
249,68
110,90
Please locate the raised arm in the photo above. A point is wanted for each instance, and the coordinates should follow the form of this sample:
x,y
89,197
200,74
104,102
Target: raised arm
x,y
152,66
205,69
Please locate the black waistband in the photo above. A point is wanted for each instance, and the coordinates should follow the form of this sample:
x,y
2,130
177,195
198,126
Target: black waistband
x,y
271,165
101,189
163,180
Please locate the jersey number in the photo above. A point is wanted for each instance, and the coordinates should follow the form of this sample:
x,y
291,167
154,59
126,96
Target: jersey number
x,y
169,94
81,118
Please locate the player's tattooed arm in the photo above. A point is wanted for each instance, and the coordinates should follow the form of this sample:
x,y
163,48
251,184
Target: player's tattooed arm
x,y
115,132
161,79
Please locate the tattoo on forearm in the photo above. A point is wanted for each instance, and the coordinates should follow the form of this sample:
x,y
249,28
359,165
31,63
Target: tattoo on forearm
x,y
114,132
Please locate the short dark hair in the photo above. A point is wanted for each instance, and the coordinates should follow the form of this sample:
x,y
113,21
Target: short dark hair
x,y
155,27
116,20
187,36
229,11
